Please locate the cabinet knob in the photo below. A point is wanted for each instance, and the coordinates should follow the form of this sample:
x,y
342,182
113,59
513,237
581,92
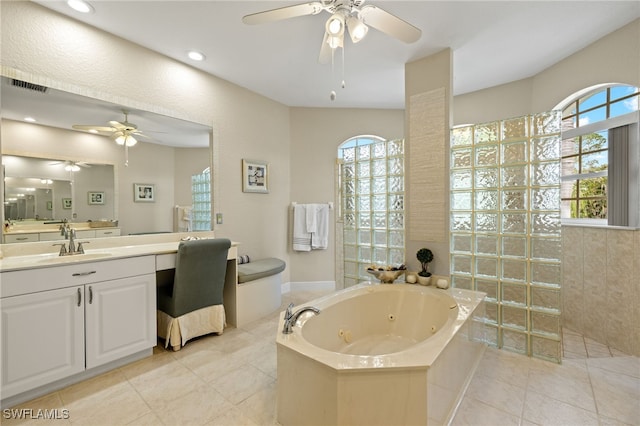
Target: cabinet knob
x,y
79,297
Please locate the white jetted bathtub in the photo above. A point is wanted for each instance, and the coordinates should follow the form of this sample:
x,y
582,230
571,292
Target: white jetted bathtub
x,y
379,354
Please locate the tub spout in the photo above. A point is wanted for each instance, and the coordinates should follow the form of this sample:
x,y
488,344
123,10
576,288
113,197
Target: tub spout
x,y
290,319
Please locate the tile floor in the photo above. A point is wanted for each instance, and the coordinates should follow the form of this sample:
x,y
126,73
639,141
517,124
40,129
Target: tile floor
x,y
231,380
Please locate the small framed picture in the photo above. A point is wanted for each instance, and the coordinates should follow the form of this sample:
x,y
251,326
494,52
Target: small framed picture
x,y
66,203
255,176
95,197
49,205
144,193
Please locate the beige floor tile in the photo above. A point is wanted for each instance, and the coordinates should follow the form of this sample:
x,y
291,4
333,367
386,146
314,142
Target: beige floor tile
x,y
232,417
504,366
617,395
472,412
568,383
197,407
261,406
624,365
149,419
239,384
544,410
501,395
118,405
32,412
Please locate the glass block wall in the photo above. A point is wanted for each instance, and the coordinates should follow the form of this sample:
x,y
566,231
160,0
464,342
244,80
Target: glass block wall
x,y
201,201
505,228
372,192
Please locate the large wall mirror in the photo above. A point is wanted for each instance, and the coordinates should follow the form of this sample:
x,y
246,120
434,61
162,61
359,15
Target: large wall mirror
x,y
57,168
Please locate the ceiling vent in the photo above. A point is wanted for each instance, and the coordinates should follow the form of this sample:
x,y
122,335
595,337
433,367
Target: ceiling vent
x,y
29,86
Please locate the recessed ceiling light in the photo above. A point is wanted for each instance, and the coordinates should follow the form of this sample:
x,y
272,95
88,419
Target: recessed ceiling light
x,y
30,119
196,56
80,6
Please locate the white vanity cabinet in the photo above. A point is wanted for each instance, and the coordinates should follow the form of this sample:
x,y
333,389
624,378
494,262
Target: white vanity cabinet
x,y
62,320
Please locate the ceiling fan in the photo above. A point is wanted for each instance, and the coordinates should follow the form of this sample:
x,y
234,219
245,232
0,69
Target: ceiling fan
x,y
345,14
122,132
72,166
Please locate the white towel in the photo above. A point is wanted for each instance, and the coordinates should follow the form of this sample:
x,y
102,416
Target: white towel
x,y
301,238
318,216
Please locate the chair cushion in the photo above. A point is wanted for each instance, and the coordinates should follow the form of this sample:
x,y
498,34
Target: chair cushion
x,y
261,268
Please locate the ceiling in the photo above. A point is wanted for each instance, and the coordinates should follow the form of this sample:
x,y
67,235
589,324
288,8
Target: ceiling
x,y
492,42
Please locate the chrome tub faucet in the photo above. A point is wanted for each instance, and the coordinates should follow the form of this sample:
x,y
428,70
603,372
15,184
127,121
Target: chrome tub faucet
x,y
290,318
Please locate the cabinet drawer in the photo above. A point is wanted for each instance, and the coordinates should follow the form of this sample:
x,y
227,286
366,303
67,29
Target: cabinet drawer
x,y
21,238
88,233
108,232
41,279
51,236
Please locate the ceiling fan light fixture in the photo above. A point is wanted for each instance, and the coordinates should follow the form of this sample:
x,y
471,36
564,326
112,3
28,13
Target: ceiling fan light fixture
x,y
335,25
124,139
357,29
195,55
72,168
80,6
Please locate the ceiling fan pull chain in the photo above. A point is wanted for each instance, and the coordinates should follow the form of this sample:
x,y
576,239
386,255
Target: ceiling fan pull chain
x,y
126,155
343,84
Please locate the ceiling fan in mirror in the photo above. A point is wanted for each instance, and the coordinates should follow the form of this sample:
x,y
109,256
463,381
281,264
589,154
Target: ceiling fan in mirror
x,y
350,16
71,166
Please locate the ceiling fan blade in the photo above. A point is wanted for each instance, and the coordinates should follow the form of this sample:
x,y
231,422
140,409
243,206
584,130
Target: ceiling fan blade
x,y
118,125
389,24
325,50
96,128
286,12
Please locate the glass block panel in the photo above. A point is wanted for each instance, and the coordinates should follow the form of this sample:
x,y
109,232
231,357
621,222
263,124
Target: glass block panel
x,y
545,174
514,176
364,254
364,220
461,179
487,178
515,152
350,236
363,169
395,166
350,282
461,264
514,293
461,282
486,200
379,150
486,244
364,186
379,185
545,148
546,123
350,253
461,222
489,287
396,257
380,256
364,237
379,203
514,270
364,203
545,199
396,184
461,243
379,167
515,128
491,312
350,204
486,222
486,266
396,221
348,171
545,323
514,199
547,349
514,317
515,223
364,152
487,156
350,268
462,136
349,187
349,220
349,155
514,246
460,158
461,200
380,220
396,239
380,238
514,341
491,335
396,202
546,248
546,273
546,223
487,132
545,298
395,147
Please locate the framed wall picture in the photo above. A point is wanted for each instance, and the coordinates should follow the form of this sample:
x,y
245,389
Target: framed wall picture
x,y
255,176
49,205
66,203
144,193
95,197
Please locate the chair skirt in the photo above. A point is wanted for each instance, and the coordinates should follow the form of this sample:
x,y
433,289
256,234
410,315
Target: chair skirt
x,y
176,331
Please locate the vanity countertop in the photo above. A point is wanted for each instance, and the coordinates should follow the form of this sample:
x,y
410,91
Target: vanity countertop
x,y
41,255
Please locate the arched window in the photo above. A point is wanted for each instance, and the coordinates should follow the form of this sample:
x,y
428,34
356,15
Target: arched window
x,y
600,156
371,185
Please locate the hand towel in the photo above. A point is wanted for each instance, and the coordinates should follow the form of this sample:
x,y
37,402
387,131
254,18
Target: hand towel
x,y
320,237
301,238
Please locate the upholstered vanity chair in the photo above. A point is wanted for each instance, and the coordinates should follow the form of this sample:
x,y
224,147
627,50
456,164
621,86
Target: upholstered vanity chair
x,y
192,306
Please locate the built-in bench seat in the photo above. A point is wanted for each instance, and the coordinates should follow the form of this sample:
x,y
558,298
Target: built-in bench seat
x,y
259,290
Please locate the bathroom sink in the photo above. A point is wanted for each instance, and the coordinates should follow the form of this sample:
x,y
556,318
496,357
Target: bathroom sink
x,y
56,259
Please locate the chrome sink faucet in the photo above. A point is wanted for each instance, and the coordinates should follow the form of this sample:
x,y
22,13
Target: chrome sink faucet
x,y
70,234
290,318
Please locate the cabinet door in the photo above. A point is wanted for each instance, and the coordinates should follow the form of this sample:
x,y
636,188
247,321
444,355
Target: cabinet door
x,y
120,318
42,336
